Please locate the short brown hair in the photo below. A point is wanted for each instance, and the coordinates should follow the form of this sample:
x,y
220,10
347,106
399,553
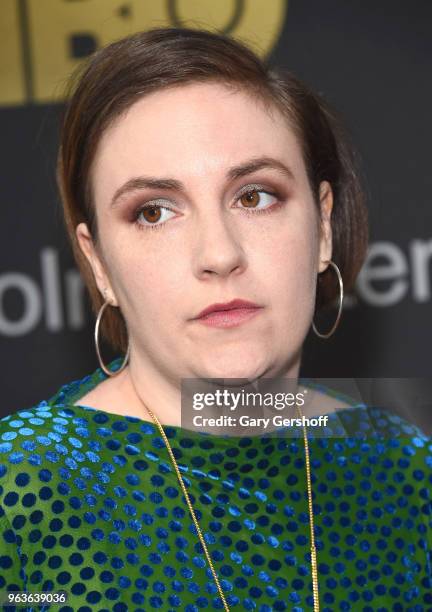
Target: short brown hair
x,y
119,74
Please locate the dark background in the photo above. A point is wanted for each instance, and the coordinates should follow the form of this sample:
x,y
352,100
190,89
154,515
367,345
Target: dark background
x,y
372,61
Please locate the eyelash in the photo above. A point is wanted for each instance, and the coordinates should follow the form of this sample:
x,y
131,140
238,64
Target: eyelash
x,y
248,190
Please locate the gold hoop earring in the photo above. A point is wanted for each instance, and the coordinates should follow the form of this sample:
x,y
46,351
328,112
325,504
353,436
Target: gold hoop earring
x,y
96,336
328,334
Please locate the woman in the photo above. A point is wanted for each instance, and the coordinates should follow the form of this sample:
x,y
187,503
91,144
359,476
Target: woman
x,y
212,205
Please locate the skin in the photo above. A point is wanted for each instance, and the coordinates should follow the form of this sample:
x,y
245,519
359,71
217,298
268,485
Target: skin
x,y
210,247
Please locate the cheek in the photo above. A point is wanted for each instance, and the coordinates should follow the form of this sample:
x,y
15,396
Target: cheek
x,y
289,276
150,283
288,254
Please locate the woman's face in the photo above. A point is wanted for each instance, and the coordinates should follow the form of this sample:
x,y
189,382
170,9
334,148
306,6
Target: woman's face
x,y
205,240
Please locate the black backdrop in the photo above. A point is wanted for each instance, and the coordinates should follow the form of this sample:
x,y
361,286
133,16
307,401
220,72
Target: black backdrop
x,y
371,60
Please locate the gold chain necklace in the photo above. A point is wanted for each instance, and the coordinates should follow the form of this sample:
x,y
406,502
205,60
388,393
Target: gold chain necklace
x,y
203,544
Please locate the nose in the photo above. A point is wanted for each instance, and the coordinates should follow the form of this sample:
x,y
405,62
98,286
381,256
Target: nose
x,y
218,249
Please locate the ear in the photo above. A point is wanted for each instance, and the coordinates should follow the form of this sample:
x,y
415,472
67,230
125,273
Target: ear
x,y
86,244
326,243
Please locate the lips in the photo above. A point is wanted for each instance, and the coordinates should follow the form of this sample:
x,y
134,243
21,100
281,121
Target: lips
x,y
233,305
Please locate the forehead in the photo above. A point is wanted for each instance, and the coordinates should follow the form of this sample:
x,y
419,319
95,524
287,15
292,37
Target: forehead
x,y
191,132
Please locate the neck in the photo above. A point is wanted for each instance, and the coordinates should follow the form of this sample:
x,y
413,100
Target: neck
x,y
142,385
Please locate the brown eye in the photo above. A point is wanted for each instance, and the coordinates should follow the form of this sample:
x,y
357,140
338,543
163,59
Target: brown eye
x,y
151,213
152,216
250,199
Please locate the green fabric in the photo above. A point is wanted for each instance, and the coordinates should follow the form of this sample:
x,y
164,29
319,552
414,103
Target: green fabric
x,y
90,504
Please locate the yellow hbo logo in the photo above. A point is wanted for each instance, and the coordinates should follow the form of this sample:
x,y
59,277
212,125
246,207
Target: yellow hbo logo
x,y
42,41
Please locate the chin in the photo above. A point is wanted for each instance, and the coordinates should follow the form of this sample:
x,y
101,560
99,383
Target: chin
x,y
233,369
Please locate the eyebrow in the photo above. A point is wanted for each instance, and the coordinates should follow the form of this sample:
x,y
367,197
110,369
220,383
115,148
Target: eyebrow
x,y
248,167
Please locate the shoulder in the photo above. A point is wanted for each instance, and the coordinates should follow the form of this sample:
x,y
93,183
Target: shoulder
x,y
43,434
381,436
48,413
376,422
28,434
396,449
32,420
